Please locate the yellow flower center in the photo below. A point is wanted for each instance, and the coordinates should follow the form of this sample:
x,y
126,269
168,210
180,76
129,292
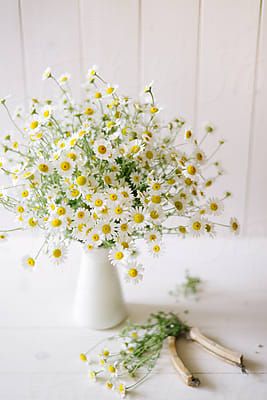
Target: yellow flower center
x,y
109,90
111,369
57,253
156,186
113,197
61,211
153,110
98,95
98,202
154,214
107,179
46,113
102,149
138,218
188,134
25,193
152,237
34,124
32,222
125,194
156,248
81,180
124,227
199,156
95,237
178,205
81,214
156,199
235,226
31,262
43,167
89,111
182,229
133,272
191,169
197,226
56,222
214,206
106,229
65,166
149,155
83,357
20,209
75,193
118,210
119,255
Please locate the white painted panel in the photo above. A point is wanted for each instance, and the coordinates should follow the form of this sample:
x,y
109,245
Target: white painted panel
x,y
11,76
11,67
110,40
51,38
227,61
169,51
257,182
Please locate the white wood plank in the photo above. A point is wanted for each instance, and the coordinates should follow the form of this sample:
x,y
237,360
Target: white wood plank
x,y
169,50
110,38
51,38
11,65
227,61
256,218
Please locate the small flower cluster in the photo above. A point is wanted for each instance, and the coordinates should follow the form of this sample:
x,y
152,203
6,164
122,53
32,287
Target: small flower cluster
x,y
133,354
106,171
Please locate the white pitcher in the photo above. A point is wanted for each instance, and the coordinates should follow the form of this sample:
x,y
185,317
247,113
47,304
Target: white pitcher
x,y
98,301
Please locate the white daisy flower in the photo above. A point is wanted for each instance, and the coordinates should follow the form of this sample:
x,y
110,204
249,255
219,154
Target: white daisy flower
x,y
64,78
3,237
134,272
65,166
28,262
137,218
155,248
234,226
118,255
58,253
44,167
197,226
155,214
191,170
81,215
136,178
95,238
98,201
215,206
210,228
102,149
107,228
56,222
47,74
199,156
152,236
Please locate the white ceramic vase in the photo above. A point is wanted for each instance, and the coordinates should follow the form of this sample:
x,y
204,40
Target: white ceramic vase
x,y
98,302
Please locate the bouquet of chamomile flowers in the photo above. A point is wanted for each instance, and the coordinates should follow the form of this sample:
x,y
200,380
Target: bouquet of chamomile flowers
x,y
105,171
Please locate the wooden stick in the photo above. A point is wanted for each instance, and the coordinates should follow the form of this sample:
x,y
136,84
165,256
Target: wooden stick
x,y
222,352
184,373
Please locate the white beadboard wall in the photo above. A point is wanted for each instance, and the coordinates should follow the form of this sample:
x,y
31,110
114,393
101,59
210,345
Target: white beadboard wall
x,y
208,59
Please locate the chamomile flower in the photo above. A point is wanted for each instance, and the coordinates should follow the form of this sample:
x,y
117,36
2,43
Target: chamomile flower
x,y
3,237
137,218
44,167
156,248
210,228
133,272
65,166
199,156
121,389
58,253
47,74
64,78
234,226
95,238
56,222
97,201
28,262
155,214
118,255
152,237
197,227
215,206
81,216
102,149
107,229
136,179
191,170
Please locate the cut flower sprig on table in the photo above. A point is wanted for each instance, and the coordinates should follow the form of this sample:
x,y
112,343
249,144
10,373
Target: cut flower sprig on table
x,y
106,171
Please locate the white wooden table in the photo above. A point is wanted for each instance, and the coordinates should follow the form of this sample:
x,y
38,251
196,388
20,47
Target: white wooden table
x,y
40,346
